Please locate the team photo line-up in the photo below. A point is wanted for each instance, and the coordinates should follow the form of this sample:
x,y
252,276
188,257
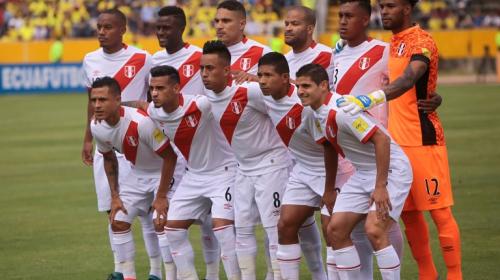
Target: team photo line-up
x,y
232,135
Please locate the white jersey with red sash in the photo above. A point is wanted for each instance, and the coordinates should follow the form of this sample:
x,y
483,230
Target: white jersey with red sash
x,y
129,66
194,132
316,53
241,112
245,55
136,137
187,63
361,70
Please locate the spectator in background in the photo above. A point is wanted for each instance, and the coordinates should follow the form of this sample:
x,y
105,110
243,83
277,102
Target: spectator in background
x,y
56,50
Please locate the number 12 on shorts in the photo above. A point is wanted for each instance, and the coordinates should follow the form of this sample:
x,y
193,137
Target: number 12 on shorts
x,y
432,186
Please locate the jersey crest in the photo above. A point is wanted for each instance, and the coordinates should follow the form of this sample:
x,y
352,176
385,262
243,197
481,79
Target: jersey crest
x,y
191,120
401,48
290,122
188,70
132,141
246,63
364,63
129,71
236,107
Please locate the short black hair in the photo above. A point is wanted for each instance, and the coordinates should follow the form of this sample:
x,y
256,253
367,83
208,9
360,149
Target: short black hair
x,y
112,84
277,60
176,12
118,14
218,48
314,71
165,70
364,4
234,6
309,14
413,3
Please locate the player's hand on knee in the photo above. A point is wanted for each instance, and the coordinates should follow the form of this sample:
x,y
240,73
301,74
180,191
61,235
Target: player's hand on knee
x,y
380,197
328,200
116,205
87,156
160,206
430,104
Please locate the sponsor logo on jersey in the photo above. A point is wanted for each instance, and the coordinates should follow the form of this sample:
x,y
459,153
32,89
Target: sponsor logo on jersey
x,y
158,135
401,48
188,70
364,63
191,121
129,71
236,107
245,63
290,122
132,141
318,125
360,125
426,52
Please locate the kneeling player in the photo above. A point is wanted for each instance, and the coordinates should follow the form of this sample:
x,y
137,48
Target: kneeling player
x,y
378,188
133,133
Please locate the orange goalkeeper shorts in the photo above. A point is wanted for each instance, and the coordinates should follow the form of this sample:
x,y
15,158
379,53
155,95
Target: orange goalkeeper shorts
x,y
431,187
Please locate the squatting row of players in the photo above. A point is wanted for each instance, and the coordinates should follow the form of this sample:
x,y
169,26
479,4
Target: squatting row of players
x,y
237,136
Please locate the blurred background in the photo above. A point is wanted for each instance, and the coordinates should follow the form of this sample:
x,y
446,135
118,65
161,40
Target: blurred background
x,y
63,31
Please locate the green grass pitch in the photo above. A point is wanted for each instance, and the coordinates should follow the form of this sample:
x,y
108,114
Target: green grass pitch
x,y
50,229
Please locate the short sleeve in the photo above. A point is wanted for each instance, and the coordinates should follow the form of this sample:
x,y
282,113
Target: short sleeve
x,y
423,49
101,145
256,97
152,136
359,125
86,79
147,67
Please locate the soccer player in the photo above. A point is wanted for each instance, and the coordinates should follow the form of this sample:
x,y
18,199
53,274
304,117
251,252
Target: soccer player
x,y
208,183
377,189
170,26
413,65
263,161
184,57
300,23
131,132
130,67
297,129
230,21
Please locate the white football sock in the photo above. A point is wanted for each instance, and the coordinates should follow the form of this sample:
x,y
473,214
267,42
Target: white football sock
x,y
396,238
168,261
272,234
151,244
289,261
269,273
125,251
226,237
365,250
210,249
310,243
331,265
388,263
348,264
246,250
111,243
182,253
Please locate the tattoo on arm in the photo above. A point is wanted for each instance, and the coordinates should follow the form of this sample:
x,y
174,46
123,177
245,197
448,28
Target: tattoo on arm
x,y
410,76
111,169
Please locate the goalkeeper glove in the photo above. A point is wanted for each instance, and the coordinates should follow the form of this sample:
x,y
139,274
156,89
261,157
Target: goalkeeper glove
x,y
339,46
354,104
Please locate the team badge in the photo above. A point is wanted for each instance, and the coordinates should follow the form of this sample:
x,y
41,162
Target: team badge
x,y
236,107
191,121
129,71
364,63
290,122
132,141
188,70
401,48
246,63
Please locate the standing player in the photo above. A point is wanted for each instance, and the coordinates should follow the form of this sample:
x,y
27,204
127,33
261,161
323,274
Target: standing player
x,y
130,67
185,58
413,65
208,183
300,23
297,129
377,189
131,132
263,161
230,21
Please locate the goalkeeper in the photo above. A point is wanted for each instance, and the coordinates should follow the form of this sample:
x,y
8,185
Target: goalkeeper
x,y
413,65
